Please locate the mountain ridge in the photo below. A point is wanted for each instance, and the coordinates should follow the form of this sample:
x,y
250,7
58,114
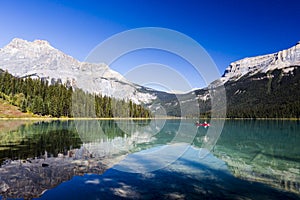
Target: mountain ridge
x,y
251,65
23,49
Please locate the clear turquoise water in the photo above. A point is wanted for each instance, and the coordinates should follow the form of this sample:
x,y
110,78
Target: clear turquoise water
x,y
252,159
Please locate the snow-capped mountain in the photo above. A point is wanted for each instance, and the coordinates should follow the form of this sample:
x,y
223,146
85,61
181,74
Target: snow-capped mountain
x,y
263,86
284,60
257,83
39,59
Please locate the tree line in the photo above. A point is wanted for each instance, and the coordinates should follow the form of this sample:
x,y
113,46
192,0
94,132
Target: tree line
x,y
57,100
273,97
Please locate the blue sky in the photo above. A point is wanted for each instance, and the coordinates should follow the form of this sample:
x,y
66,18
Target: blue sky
x,y
229,30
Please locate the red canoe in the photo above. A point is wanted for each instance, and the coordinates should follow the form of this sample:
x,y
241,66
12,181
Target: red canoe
x,y
202,124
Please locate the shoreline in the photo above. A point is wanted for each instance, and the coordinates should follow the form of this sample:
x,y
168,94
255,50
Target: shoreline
x,y
128,118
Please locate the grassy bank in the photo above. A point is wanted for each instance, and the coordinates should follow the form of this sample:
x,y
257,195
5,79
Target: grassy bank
x,y
9,111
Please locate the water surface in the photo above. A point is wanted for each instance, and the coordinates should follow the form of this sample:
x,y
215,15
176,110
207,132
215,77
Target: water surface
x,y
253,159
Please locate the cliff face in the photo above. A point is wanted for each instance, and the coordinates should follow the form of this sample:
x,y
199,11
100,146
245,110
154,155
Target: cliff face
x,y
284,60
261,86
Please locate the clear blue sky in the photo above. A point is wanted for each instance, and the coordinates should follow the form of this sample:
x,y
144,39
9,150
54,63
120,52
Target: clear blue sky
x,y
228,29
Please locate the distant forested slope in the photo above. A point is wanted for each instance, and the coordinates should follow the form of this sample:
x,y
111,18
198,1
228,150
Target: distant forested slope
x,y
267,95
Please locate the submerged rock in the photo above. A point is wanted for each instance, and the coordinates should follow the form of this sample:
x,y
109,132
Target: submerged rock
x,y
45,165
28,180
3,187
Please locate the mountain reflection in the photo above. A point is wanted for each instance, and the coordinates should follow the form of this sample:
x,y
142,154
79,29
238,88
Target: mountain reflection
x,y
262,150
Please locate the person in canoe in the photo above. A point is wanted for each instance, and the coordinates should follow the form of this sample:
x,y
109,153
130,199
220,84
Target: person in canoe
x,y
205,124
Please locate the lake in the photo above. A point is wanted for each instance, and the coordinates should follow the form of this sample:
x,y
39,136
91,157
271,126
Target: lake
x,y
149,159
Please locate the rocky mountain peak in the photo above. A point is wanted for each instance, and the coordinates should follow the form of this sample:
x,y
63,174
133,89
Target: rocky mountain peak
x,y
18,43
41,42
